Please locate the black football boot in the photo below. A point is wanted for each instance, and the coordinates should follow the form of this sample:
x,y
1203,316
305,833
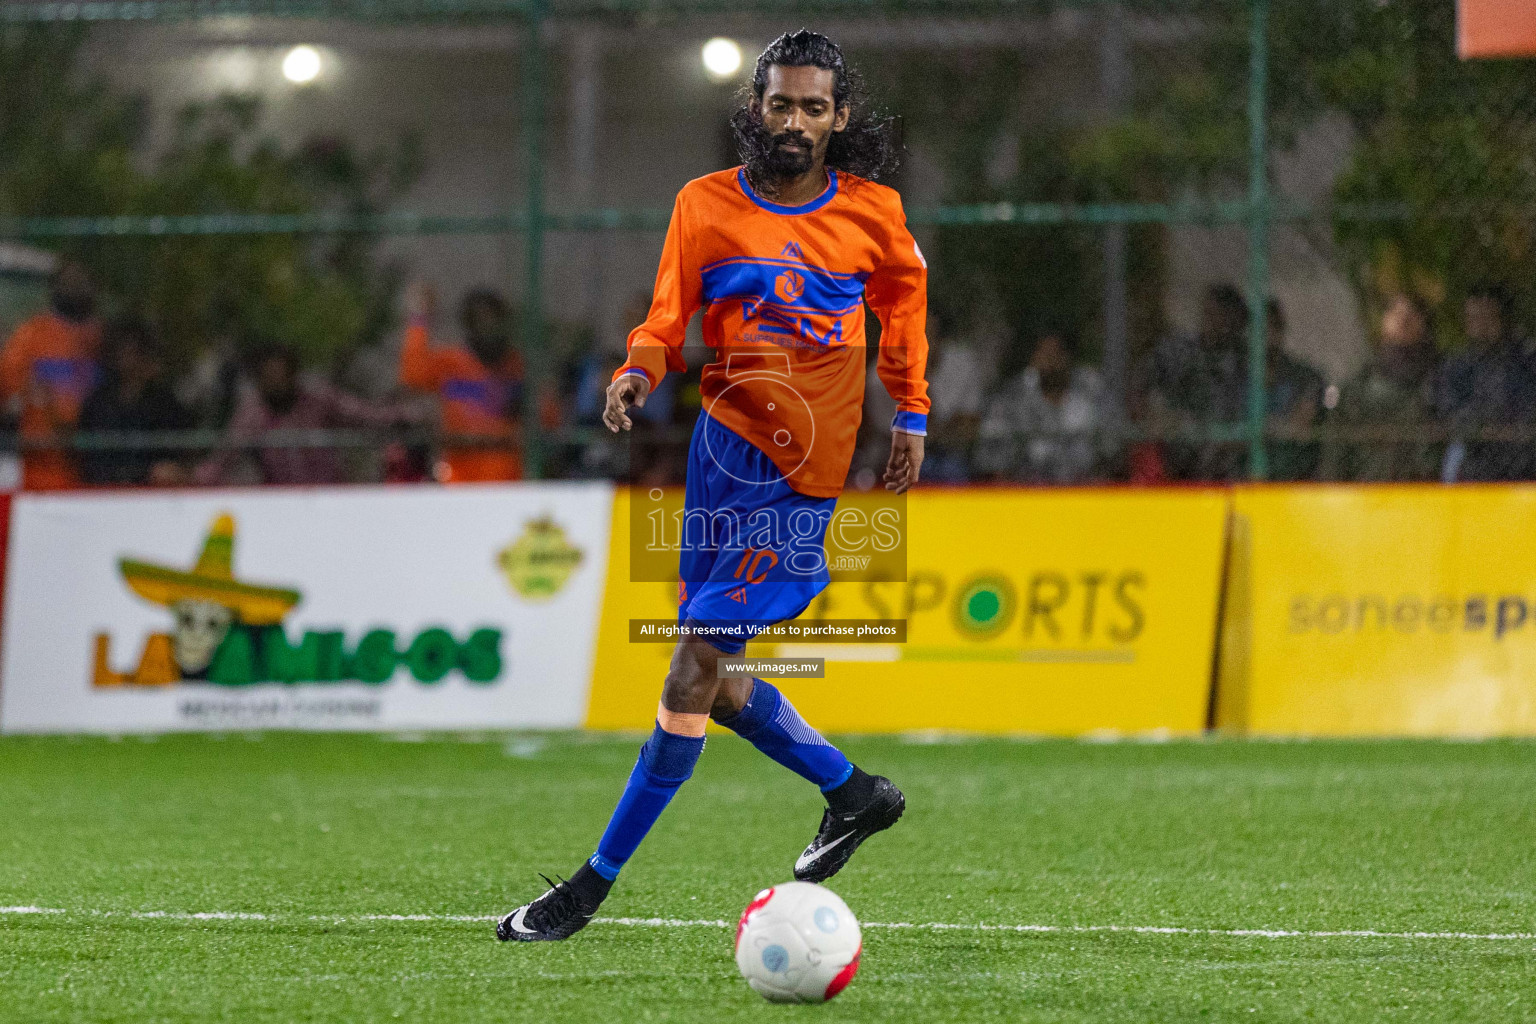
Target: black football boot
x,y
856,810
560,913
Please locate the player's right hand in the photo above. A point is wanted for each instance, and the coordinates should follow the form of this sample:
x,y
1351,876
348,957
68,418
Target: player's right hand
x,y
629,390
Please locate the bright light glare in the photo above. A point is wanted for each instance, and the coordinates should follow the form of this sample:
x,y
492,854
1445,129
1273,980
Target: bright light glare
x,y
302,64
722,57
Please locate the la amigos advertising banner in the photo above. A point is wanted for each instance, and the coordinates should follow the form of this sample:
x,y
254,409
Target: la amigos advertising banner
x,y
368,608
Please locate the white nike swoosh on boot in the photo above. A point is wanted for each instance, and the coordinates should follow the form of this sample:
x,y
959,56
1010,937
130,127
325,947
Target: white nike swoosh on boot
x,y
812,856
517,921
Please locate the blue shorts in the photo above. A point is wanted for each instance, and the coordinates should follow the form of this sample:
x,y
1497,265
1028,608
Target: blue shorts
x,y
753,548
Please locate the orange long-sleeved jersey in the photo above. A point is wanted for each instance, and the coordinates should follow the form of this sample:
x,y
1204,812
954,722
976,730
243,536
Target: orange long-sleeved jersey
x,y
476,402
51,363
783,290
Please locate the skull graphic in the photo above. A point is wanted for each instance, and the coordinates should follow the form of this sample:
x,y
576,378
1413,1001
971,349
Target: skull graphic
x,y
200,627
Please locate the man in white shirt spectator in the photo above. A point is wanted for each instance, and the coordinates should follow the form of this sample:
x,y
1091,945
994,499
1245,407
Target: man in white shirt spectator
x,y
959,376
1045,425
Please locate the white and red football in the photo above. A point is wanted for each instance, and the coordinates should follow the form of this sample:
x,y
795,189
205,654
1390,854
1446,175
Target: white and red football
x,y
798,943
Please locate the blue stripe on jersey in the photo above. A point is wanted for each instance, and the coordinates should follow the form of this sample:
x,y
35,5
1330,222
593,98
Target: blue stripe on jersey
x,y
782,284
73,377
493,397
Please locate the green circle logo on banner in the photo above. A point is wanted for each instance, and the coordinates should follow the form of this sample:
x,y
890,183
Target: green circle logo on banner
x,y
984,606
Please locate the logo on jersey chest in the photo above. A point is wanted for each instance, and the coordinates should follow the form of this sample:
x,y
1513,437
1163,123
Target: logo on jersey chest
x,y
789,286
785,299
794,287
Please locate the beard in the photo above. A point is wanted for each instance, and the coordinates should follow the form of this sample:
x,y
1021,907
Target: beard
x,y
790,155
72,307
770,156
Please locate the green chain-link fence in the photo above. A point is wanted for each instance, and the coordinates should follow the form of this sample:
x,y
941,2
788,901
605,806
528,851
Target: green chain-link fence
x,y
1093,155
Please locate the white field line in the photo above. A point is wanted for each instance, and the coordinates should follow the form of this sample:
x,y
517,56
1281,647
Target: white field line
x,y
934,926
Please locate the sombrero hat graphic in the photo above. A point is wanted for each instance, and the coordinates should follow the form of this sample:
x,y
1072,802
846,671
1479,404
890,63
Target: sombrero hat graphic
x,y
212,579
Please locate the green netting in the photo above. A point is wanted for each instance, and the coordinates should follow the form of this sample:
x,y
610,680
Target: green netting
x,y
1057,207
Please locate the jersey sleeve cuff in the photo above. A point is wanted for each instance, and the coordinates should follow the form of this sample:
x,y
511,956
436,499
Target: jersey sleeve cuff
x,y
911,423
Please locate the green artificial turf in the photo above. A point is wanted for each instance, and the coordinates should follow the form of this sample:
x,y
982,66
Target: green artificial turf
x,y
316,831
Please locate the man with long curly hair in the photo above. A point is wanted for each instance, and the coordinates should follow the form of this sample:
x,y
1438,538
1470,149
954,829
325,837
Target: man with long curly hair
x,y
781,253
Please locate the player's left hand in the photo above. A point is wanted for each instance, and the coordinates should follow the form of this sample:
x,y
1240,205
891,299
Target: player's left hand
x,y
906,461
628,390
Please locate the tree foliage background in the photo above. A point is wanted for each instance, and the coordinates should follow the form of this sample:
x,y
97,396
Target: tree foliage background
x,y
1437,192
71,145
1443,171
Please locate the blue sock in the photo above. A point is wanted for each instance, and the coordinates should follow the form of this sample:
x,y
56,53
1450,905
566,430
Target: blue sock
x,y
771,724
666,761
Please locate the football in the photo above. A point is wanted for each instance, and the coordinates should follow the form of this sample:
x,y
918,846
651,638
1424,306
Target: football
x,y
798,943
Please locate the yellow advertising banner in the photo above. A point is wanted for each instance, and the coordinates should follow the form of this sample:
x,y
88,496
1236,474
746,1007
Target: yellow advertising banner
x,y
1044,612
1391,610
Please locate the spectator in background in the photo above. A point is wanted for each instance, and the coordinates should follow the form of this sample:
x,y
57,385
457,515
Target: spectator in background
x,y
47,368
656,457
661,404
1200,382
958,381
210,386
1294,396
1392,395
279,398
1486,384
134,395
872,445
1044,426
479,384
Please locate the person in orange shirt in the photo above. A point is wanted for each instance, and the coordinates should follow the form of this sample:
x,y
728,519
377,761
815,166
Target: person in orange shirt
x,y
781,254
479,384
47,369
